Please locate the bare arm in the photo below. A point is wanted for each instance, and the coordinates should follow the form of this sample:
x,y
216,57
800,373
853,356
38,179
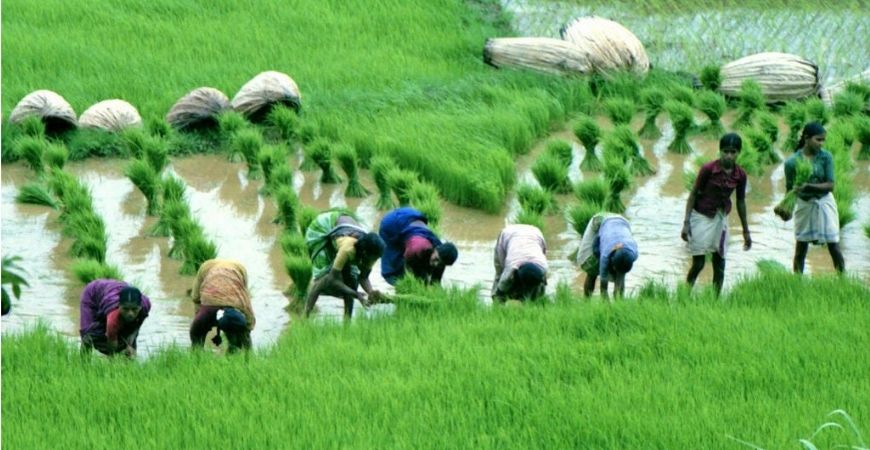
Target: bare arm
x,y
690,205
741,212
619,286
332,284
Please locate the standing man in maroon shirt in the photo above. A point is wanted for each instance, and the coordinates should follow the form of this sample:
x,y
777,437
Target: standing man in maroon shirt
x,y
706,224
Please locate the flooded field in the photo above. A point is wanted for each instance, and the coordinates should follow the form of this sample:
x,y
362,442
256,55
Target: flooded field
x,y
239,220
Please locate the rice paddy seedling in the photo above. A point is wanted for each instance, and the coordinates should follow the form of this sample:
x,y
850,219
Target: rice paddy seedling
x,y
347,159
535,199
147,181
682,94
750,98
862,133
35,194
293,243
366,148
134,140
197,250
89,247
158,128
308,132
619,110
588,132
803,171
817,111
424,197
184,230
845,129
55,156
768,124
380,167
528,217
591,191
653,100
689,176
91,142
173,189
711,78
561,149
266,158
245,144
795,114
712,104
848,104
230,122
33,126
749,159
683,119
300,270
87,270
306,215
580,215
288,205
551,174
31,150
285,120
172,209
282,175
321,154
156,153
760,142
618,179
639,165
400,181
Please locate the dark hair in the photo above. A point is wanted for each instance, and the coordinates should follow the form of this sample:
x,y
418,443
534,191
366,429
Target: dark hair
x,y
233,321
130,296
370,245
811,129
448,253
731,140
621,261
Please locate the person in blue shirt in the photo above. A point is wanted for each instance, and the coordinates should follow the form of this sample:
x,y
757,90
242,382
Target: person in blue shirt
x,y
608,251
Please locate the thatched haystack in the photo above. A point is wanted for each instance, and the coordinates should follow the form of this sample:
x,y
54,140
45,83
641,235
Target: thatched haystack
x,y
829,92
54,110
257,96
609,45
540,54
199,108
782,76
111,115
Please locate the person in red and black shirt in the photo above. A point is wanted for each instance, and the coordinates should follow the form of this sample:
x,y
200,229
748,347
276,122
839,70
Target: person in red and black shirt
x,y
111,314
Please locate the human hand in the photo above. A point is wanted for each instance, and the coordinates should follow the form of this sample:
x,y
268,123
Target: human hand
x,y
130,352
747,240
362,299
800,188
686,233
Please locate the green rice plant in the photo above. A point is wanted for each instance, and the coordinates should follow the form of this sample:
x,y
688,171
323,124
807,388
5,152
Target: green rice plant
x,y
230,122
172,210
56,155
580,215
551,174
287,203
795,114
308,132
561,149
862,133
760,142
619,84
34,193
156,153
184,230
282,175
31,150
347,159
90,246
266,159
848,104
750,98
158,128
639,165
146,179
366,148
306,215
749,159
593,191
861,88
61,183
321,154
87,270
134,140
803,171
712,104
401,181
689,176
683,119
300,270
285,120
618,179
845,130
92,142
528,217
768,124
588,132
682,94
380,167
711,77
293,243
32,126
197,250
424,197
619,110
534,199
817,111
173,189
245,144
653,100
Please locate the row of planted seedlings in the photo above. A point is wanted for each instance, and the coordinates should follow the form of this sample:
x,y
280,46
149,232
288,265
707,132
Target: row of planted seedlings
x,y
55,188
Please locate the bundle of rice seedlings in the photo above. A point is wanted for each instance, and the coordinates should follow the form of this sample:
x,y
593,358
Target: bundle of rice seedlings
x,y
618,179
682,94
366,148
321,153
147,181
712,104
173,189
347,159
750,160
184,230
244,145
551,174
134,140
639,165
32,149
300,270
561,149
803,172
158,128
285,120
588,132
266,159
862,133
281,176
592,191
711,78
172,210
87,270
817,111
60,183
424,197
795,114
683,119
306,215
619,110
32,126
381,166
197,251
75,202
287,204
308,132
759,141
768,124
535,199
750,99
848,103
653,100
689,175
35,194
293,243
156,153
400,182
83,223
229,122
55,156
90,247
846,130
580,215
528,217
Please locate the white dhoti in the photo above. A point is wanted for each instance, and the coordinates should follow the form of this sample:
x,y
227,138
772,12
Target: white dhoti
x,y
708,235
817,220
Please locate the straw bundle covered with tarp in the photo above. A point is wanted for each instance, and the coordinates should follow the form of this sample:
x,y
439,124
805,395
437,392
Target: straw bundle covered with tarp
x,y
782,76
200,107
55,112
111,115
257,96
539,54
829,92
608,45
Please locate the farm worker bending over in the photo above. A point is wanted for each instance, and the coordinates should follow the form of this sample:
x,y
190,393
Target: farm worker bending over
x,y
520,264
221,296
706,224
111,313
411,243
607,251
816,218
342,254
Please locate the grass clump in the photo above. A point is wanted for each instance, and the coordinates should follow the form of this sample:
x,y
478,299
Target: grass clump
x,y
817,111
750,160
380,167
31,150
750,98
156,153
56,155
528,217
588,133
134,140
633,151
287,203
712,104
579,215
172,210
87,270
34,193
561,149
267,158
619,110
862,133
32,126
711,77
424,197
147,180
293,243
307,214
653,100
768,124
551,174
683,119
300,270
760,142
682,94
618,179
197,250
795,114
349,162
229,123
534,199
401,181
689,175
593,191
321,154
785,208
285,120
245,144
848,103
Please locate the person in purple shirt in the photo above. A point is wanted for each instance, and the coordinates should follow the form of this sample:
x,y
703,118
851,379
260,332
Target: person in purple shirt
x,y
111,314
706,224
